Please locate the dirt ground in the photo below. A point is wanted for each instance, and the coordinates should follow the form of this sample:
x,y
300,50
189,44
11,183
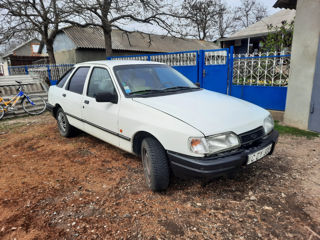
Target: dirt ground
x,y
82,188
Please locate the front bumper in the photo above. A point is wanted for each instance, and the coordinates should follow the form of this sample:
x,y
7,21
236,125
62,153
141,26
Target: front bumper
x,y
220,164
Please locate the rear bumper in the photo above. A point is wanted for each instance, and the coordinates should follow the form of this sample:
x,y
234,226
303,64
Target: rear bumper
x,y
217,165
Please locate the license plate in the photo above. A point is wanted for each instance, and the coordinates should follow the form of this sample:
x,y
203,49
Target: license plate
x,y
259,154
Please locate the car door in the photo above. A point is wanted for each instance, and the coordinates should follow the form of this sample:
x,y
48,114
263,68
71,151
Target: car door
x,y
101,118
72,96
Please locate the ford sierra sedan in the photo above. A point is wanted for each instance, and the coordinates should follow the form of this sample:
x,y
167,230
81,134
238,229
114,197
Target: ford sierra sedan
x,y
151,110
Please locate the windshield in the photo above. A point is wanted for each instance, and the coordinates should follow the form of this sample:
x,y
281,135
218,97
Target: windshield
x,y
144,79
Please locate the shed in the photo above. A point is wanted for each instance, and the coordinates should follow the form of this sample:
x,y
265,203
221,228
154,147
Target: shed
x,y
75,44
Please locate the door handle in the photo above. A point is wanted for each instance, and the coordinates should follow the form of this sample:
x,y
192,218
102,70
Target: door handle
x,y
86,101
64,95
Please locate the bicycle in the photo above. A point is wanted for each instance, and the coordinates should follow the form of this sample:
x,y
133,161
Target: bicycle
x,y
33,105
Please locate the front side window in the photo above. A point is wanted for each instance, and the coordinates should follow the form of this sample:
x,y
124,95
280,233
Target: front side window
x,y
78,79
100,82
142,79
64,78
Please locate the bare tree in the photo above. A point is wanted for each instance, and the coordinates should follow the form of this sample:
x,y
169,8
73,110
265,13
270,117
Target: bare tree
x,y
204,19
110,14
225,20
34,17
197,19
249,12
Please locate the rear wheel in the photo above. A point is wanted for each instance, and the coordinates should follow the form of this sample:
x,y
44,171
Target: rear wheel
x,y
65,129
34,105
155,164
1,112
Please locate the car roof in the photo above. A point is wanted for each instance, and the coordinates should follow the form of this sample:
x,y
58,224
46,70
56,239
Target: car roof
x,y
112,63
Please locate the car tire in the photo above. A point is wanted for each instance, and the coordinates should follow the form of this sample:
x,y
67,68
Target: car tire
x,y
65,129
155,164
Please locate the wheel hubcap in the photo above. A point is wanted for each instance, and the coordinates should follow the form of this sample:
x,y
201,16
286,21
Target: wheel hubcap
x,y
146,165
62,122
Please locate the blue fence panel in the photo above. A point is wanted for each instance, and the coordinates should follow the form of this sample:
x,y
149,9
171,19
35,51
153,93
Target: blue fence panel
x,y
191,72
262,79
273,98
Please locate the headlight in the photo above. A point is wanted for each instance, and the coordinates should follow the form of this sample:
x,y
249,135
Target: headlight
x,y
198,145
214,144
268,124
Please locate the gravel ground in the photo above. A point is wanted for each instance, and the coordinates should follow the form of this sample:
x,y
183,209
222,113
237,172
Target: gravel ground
x,y
83,188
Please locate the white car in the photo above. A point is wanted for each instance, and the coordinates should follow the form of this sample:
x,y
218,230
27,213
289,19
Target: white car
x,y
151,110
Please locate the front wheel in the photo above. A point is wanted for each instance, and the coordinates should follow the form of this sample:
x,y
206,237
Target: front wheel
x,y
34,105
155,164
1,112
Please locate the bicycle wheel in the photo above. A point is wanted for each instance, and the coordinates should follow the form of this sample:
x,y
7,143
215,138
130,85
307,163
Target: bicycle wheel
x,y
34,105
1,112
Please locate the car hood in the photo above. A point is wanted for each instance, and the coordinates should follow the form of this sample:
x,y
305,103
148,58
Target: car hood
x,y
208,111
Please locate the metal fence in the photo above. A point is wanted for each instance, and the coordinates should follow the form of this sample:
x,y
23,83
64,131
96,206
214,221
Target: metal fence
x,y
185,62
263,69
187,58
45,72
260,78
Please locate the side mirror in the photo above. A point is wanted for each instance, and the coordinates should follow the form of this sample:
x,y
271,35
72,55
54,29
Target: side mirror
x,y
197,84
107,97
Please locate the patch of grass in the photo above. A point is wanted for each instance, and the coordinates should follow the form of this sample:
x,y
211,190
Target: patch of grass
x,y
294,131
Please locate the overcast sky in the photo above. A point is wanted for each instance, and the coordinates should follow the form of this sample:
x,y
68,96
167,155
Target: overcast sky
x,y
267,3
156,30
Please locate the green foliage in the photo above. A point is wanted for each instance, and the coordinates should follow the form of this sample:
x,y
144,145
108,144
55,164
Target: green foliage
x,y
279,38
294,131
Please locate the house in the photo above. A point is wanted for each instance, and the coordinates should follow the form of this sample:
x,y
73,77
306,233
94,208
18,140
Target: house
x,y
75,44
24,54
248,40
303,95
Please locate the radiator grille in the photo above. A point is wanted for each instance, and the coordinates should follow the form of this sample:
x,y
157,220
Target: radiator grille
x,y
251,136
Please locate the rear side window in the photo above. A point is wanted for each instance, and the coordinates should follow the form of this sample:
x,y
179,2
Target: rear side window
x,y
64,78
76,82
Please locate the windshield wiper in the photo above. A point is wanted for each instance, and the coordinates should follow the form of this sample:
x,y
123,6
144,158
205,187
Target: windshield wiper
x,y
146,91
151,91
177,88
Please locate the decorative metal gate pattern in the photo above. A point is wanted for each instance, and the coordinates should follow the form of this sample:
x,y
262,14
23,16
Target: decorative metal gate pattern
x,y
216,57
267,69
176,59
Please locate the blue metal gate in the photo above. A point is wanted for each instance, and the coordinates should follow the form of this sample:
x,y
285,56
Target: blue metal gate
x,y
215,67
